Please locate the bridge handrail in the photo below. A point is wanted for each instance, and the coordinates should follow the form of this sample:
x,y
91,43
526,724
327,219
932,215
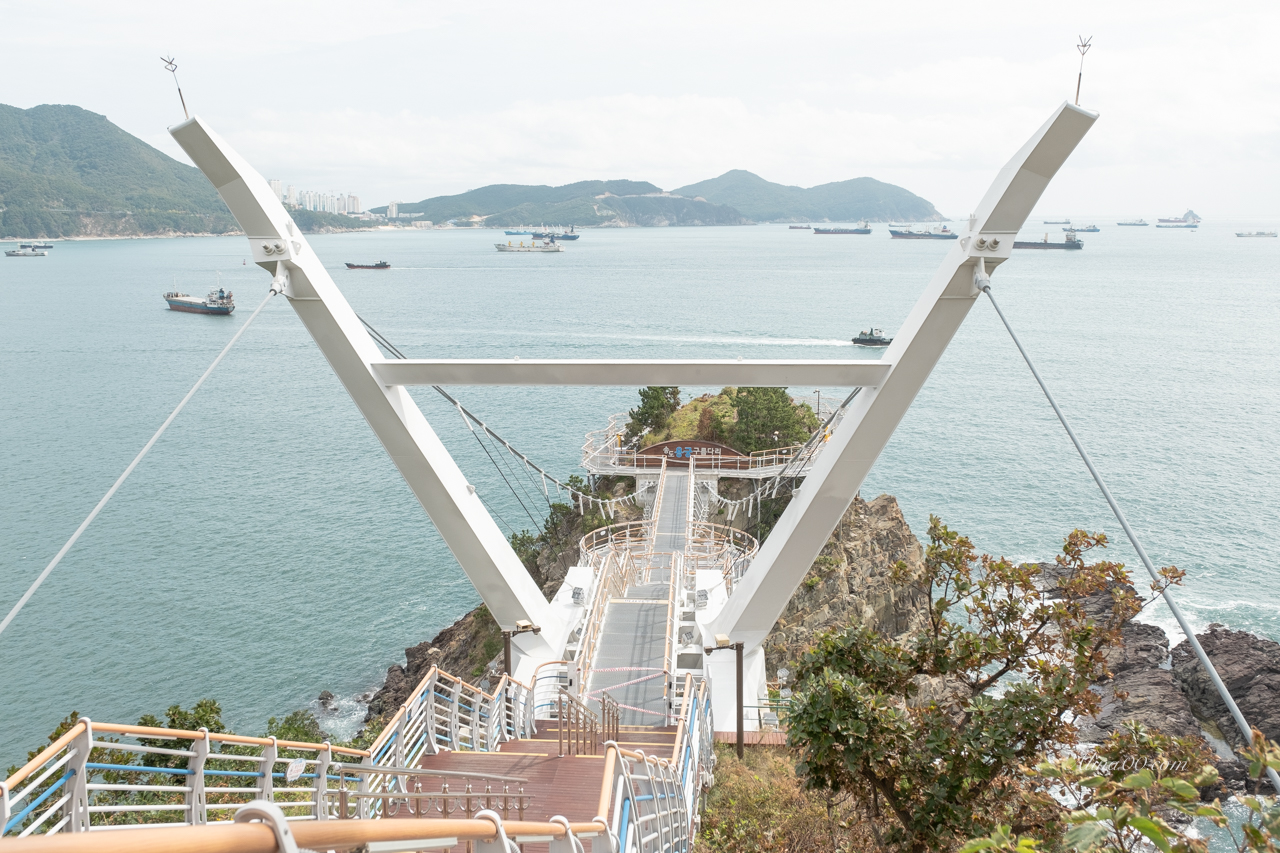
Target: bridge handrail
x,y
612,581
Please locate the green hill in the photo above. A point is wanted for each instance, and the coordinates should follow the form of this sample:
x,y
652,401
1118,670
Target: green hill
x,y
843,201
67,172
583,203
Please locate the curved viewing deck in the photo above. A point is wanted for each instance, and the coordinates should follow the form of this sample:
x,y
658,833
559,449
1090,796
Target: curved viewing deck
x,y
606,452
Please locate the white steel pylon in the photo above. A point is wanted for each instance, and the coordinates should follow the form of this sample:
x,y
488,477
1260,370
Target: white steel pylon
x,y
376,384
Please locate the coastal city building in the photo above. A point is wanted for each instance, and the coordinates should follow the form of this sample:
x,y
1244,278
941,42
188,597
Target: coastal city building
x,y
333,202
393,209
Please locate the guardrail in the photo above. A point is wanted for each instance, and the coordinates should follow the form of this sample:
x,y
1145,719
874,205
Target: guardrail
x,y
612,582
578,727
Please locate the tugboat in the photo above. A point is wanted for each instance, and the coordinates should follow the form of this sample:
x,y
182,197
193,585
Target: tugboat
x,y
873,338
548,245
1142,222
943,233
217,302
1071,243
380,265
861,228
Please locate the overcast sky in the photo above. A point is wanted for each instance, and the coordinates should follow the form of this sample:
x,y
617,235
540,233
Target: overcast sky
x,y
405,100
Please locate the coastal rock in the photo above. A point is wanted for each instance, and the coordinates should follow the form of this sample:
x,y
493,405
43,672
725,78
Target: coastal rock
x,y
326,699
849,582
1250,668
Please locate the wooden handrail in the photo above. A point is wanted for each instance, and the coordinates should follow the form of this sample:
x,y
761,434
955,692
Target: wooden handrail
x,y
183,734
260,838
45,754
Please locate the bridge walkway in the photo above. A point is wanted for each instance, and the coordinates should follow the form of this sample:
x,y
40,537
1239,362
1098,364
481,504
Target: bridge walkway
x,y
631,659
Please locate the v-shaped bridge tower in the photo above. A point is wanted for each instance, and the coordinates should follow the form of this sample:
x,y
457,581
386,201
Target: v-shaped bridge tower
x,y
751,602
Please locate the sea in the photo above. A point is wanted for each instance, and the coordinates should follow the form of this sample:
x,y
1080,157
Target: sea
x,y
267,549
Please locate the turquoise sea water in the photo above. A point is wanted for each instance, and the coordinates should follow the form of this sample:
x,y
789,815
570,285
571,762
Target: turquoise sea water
x,y
267,549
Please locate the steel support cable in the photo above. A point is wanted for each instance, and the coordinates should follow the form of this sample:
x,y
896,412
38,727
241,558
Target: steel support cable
x,y
129,470
1133,540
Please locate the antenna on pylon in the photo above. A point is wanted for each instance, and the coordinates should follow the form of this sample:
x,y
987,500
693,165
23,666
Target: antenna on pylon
x,y
172,68
1083,47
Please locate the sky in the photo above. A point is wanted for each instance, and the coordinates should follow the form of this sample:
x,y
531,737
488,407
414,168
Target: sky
x,y
396,100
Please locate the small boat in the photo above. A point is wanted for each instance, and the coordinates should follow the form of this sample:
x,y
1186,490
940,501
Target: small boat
x,y
555,235
799,227
26,251
860,228
1255,233
217,302
1071,243
1057,222
380,265
1141,222
518,233
1085,229
872,338
548,245
943,233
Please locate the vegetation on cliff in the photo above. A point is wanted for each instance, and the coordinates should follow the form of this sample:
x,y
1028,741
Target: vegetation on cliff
x,y
746,419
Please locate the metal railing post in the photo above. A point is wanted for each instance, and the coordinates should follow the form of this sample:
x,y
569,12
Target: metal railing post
x,y
266,790
77,807
364,806
323,758
197,802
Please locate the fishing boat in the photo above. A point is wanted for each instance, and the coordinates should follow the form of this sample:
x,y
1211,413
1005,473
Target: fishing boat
x,y
935,233
1057,222
1085,229
872,338
1141,222
518,233
547,245
25,252
1071,243
799,227
380,265
1255,233
860,228
217,302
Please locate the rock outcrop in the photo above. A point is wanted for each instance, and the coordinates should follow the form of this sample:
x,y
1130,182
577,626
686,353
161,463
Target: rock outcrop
x,y
849,582
1250,667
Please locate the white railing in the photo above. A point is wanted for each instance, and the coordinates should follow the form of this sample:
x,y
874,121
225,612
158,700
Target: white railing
x,y
103,775
612,582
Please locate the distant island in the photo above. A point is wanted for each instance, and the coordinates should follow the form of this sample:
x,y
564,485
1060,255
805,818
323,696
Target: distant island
x,y
735,198
68,172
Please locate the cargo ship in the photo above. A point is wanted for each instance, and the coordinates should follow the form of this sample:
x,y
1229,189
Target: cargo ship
x,y
555,235
860,228
547,245
1188,217
380,265
217,302
1255,233
1071,243
943,233
799,227
1085,229
518,233
1057,222
1141,222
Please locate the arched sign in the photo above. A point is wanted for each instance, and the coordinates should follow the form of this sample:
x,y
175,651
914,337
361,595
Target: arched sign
x,y
678,452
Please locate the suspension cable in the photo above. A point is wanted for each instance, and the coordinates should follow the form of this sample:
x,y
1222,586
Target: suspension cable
x,y
129,470
1240,721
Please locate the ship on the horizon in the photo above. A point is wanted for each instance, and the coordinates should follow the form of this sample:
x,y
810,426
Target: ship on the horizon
x,y
547,245
1255,233
555,235
1186,220
861,228
1085,229
217,302
1070,243
380,265
1057,222
799,227
1142,222
904,233
25,251
518,233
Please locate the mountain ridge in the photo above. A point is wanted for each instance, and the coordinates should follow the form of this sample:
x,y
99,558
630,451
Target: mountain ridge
x,y
838,201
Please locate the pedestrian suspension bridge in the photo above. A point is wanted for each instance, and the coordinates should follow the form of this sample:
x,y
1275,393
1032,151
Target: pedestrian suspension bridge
x,y
601,735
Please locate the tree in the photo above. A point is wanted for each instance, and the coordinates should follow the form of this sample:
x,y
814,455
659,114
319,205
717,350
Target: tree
x,y
1115,811
657,404
930,732
767,418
